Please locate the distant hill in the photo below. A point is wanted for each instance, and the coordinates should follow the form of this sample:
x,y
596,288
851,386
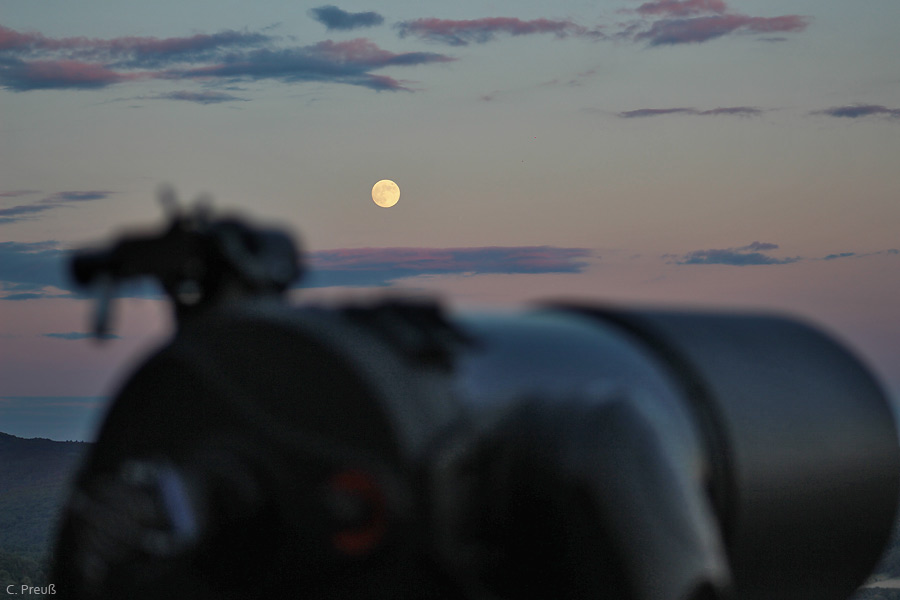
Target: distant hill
x,y
34,479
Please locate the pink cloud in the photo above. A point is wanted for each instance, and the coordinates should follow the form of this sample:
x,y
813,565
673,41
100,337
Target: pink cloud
x,y
702,29
682,8
385,82
127,46
66,74
13,40
670,22
179,45
30,61
360,50
348,62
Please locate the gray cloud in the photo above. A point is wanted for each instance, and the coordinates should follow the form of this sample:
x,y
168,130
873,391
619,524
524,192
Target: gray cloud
x,y
64,197
696,30
856,111
26,296
350,62
731,257
333,17
837,255
32,61
34,270
22,212
841,255
28,268
757,246
738,111
655,112
380,266
25,212
479,31
751,254
205,97
77,335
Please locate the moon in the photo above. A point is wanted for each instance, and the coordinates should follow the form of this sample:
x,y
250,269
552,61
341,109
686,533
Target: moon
x,y
385,193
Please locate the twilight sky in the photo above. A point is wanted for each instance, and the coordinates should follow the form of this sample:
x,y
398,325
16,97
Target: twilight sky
x,y
704,153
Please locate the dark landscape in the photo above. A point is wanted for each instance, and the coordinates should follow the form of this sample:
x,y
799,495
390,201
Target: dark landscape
x,y
34,480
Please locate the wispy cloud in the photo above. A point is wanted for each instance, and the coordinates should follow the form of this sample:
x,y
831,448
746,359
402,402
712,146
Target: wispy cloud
x,y
35,270
31,61
60,198
856,111
380,266
132,51
673,22
333,17
757,246
658,23
19,75
889,252
17,193
850,111
204,97
682,8
702,29
655,112
24,212
751,254
350,62
754,254
78,335
26,269
26,296
21,212
738,111
38,270
479,31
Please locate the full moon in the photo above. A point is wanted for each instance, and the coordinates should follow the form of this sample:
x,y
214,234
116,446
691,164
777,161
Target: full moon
x,y
385,193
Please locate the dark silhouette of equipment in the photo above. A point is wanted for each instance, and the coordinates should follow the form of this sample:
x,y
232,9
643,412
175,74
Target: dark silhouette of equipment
x,y
395,451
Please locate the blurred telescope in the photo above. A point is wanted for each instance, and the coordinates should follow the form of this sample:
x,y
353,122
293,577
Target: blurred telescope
x,y
397,450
